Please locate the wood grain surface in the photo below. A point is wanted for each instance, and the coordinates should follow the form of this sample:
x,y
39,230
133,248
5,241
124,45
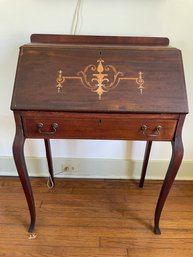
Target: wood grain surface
x,y
96,218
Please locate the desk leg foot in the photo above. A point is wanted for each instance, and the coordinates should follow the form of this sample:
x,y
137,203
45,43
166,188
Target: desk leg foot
x,y
176,159
157,231
31,227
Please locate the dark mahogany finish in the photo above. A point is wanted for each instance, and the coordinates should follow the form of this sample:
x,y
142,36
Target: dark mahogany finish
x,y
92,87
61,39
145,163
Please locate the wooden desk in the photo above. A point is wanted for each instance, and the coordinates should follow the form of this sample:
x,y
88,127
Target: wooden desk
x,y
93,87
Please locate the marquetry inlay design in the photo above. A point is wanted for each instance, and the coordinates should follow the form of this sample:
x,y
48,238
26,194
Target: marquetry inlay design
x,y
100,78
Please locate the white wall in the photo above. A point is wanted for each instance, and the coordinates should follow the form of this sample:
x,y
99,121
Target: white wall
x,y
19,19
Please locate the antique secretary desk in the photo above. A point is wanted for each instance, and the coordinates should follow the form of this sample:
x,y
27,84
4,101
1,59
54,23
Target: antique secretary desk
x,y
96,87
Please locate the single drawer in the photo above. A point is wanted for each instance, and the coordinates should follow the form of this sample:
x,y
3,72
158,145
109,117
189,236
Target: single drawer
x,y
99,127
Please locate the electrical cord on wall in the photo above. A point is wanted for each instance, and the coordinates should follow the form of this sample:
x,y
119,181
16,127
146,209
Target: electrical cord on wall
x,y
76,17
75,22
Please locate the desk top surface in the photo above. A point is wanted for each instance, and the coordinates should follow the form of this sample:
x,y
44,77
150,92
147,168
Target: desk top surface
x,y
97,77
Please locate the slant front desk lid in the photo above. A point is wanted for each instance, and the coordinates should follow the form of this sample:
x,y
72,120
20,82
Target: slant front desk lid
x,y
99,74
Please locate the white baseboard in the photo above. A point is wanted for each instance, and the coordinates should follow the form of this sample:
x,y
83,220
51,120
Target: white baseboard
x,y
96,168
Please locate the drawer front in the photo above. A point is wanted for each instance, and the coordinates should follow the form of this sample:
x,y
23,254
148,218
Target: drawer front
x,y
99,128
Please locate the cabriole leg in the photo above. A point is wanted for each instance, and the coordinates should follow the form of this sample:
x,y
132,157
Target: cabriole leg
x,y
18,154
177,155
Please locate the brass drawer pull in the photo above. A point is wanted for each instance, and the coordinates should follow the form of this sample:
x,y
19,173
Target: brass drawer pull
x,y
53,131
144,128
